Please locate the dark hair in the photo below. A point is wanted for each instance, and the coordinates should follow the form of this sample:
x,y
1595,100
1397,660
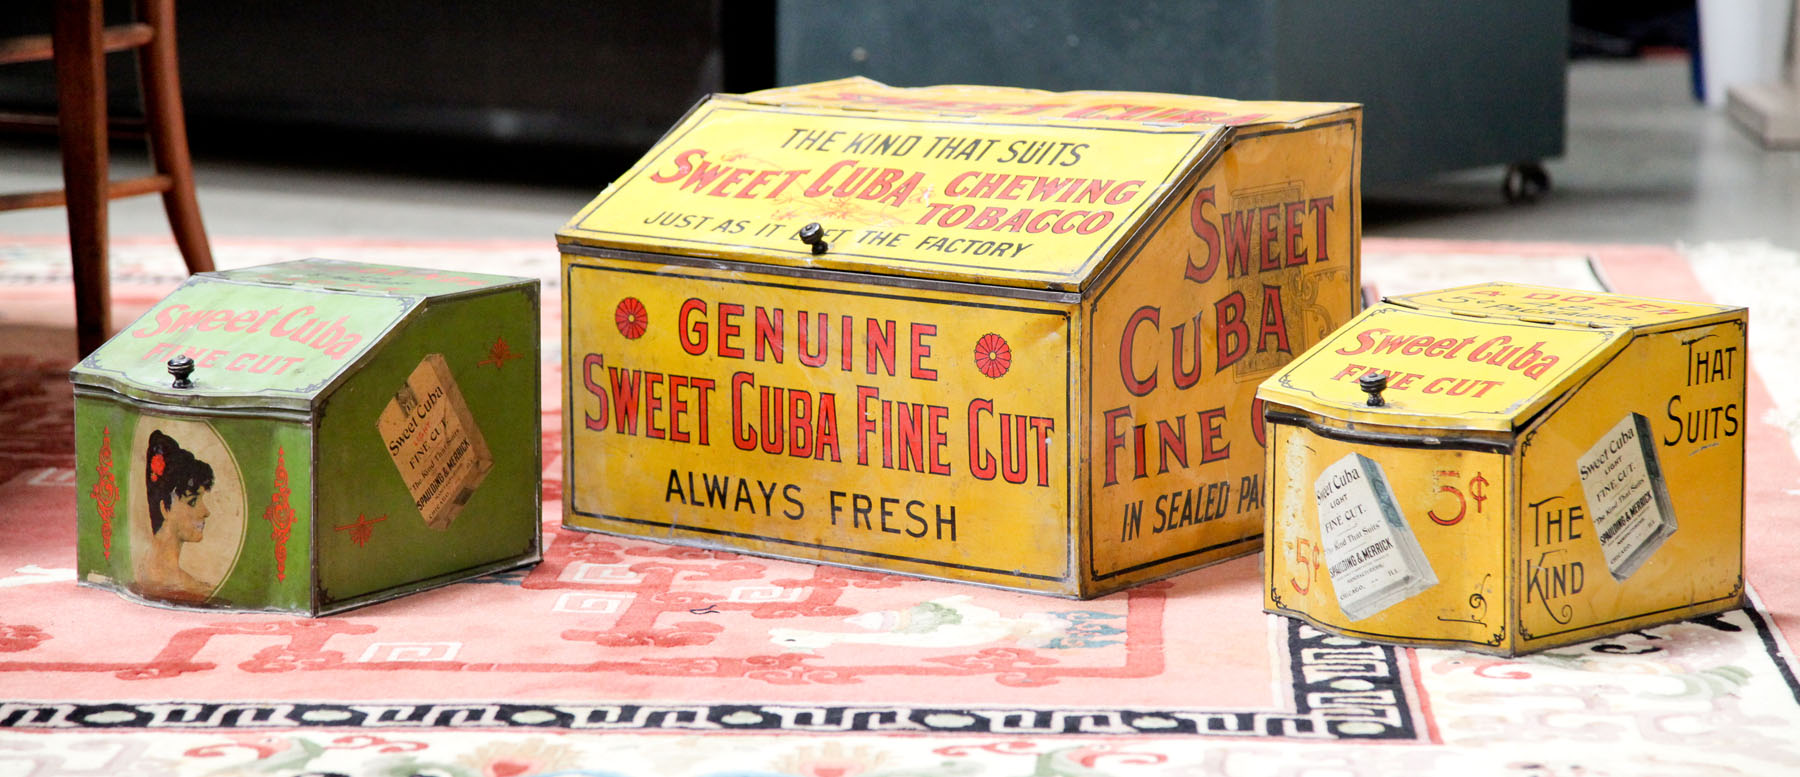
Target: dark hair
x,y
171,472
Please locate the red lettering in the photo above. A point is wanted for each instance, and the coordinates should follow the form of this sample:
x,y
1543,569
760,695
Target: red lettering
x,y
1123,193
879,345
1364,341
981,463
1186,368
1320,206
1209,237
809,356
865,421
988,218
1296,247
1269,221
589,363
1115,439
693,335
652,404
743,435
703,175
822,184
1238,226
683,166
920,350
1233,334
768,333
729,329
1127,342
625,396
800,438
1274,322
1212,424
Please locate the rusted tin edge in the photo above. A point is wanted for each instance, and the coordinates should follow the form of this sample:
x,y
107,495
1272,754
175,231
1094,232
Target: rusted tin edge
x,y
841,276
171,405
1448,439
333,607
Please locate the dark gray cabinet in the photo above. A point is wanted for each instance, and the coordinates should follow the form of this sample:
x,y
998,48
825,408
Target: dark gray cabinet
x,y
1445,86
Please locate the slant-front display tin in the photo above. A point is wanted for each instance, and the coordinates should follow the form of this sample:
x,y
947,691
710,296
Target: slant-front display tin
x,y
1019,348
311,436
1509,468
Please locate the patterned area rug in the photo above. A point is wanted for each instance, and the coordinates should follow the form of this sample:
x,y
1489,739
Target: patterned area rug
x,y
625,657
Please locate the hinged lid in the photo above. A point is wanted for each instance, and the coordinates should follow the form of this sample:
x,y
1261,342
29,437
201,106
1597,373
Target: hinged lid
x,y
1016,187
1482,358
1122,108
1543,304
271,337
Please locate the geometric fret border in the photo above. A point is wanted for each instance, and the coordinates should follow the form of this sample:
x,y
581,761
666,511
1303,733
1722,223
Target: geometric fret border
x,y
1343,690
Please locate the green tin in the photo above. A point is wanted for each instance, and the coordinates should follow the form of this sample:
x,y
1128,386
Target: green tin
x,y
312,436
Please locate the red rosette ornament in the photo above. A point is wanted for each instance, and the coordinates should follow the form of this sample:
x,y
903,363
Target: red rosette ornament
x,y
992,355
631,318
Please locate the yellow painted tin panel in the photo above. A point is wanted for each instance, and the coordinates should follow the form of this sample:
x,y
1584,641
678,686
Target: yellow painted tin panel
x,y
1391,542
1014,203
1444,371
908,429
1257,263
1540,303
1123,108
1632,493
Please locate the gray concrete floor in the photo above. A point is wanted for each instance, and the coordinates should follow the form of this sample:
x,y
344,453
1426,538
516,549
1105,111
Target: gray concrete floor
x,y
1645,163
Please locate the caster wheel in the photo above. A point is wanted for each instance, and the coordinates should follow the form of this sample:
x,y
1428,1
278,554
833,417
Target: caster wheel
x,y
1525,182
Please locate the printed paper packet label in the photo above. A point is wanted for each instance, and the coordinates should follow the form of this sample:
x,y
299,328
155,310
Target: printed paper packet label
x,y
1626,495
1370,552
433,440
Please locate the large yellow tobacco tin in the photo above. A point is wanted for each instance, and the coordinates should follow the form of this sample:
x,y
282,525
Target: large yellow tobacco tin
x,y
1509,468
1020,348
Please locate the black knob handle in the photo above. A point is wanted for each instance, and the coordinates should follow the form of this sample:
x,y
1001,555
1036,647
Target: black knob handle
x,y
814,235
1373,383
181,367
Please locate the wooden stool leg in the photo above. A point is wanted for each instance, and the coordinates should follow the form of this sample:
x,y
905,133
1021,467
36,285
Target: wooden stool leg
x,y
167,130
81,109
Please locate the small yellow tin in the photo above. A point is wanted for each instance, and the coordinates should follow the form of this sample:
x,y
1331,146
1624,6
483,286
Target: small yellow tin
x,y
1509,468
993,335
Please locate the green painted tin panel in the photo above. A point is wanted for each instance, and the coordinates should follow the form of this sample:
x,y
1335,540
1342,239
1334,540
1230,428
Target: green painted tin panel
x,y
374,279
344,442
434,451
253,345
201,511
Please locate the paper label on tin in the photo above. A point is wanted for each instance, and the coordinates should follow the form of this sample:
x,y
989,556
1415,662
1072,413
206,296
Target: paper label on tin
x,y
434,441
1370,552
1626,495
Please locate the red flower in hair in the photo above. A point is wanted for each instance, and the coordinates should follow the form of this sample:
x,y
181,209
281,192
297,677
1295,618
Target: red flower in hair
x,y
156,467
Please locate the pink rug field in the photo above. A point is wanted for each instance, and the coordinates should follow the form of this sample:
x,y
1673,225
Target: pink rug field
x,y
625,657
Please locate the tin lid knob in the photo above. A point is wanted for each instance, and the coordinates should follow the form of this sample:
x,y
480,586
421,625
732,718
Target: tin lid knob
x,y
1373,383
814,235
181,367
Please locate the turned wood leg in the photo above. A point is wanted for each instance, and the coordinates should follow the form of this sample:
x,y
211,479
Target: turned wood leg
x,y
81,101
167,129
